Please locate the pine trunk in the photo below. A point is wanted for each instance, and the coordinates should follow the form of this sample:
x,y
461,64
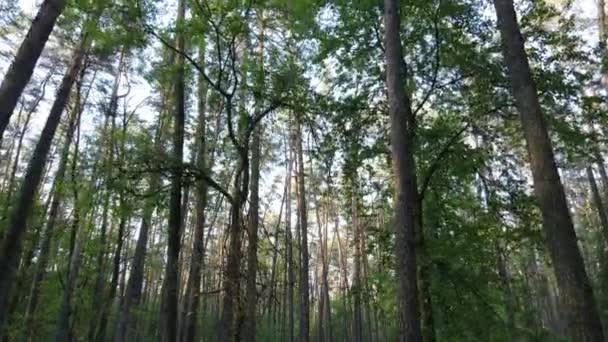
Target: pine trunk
x,y
408,315
193,294
169,306
22,67
11,245
576,294
49,227
253,216
303,222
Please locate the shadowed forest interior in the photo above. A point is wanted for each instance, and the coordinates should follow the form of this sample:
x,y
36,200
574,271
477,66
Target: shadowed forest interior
x,y
303,170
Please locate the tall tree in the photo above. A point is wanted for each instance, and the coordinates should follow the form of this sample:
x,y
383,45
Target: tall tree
x,y
401,129
22,67
304,312
169,310
253,215
11,245
204,163
54,212
576,294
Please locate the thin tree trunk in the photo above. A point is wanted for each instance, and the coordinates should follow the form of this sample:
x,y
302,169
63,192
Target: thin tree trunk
x,y
62,332
169,307
289,245
303,222
576,294
17,157
11,245
597,200
509,299
603,35
424,276
193,296
272,297
253,216
401,130
356,291
48,231
133,291
107,304
124,220
231,307
22,67
98,294
62,329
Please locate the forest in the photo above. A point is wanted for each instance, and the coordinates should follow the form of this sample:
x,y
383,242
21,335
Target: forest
x,y
303,170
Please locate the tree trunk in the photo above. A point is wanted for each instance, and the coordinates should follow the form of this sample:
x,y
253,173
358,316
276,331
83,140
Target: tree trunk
x,y
49,228
62,332
16,159
109,152
576,294
289,245
408,321
100,336
133,292
509,299
597,201
169,307
124,221
603,35
272,296
424,277
302,210
249,329
11,245
356,291
62,329
253,216
22,67
193,296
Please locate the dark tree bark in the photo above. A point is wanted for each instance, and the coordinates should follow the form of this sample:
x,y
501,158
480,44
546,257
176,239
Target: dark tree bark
x,y
304,312
599,206
231,316
356,291
11,245
21,135
576,295
193,291
169,309
289,245
408,321
20,71
249,329
100,336
253,216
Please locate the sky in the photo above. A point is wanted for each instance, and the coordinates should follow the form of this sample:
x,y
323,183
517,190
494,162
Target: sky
x,y
586,10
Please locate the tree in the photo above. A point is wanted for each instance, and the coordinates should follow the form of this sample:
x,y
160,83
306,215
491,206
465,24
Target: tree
x,y
169,310
11,245
576,294
21,69
401,128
